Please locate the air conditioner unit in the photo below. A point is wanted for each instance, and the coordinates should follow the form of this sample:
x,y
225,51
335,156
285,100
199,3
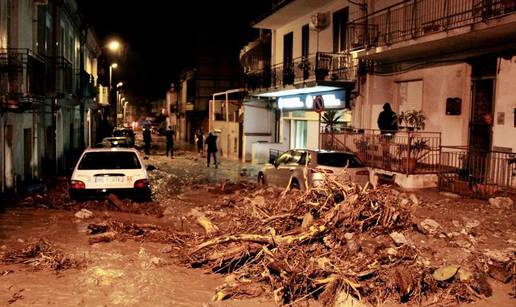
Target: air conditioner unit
x,y
319,21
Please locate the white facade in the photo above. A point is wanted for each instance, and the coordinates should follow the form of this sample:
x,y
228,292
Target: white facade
x,y
296,22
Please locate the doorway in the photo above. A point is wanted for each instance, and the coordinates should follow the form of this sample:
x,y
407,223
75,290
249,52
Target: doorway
x,y
27,154
481,123
483,80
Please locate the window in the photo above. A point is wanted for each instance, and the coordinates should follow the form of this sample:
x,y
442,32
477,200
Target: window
x,y
301,134
410,95
288,41
340,20
109,160
305,41
338,159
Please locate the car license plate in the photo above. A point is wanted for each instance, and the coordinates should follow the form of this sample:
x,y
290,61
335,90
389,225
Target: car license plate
x,y
109,179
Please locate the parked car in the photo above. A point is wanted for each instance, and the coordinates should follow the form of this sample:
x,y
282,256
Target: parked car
x,y
291,164
125,132
110,170
115,141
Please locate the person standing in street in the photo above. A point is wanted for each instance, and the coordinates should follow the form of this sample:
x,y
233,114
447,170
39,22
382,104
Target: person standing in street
x,y
199,141
211,143
170,141
147,139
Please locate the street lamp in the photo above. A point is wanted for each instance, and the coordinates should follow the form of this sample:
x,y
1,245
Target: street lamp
x,y
124,112
114,45
111,67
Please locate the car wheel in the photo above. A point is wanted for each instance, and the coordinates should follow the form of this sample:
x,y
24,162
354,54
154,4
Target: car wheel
x,y
75,196
261,179
294,184
142,196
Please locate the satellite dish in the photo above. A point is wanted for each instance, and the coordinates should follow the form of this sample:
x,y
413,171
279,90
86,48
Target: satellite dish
x,y
319,21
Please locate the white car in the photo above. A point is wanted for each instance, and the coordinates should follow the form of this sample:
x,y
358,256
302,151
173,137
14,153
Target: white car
x,y
110,170
290,165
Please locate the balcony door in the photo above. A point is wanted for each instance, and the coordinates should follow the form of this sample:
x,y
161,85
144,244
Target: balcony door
x,y
288,65
340,21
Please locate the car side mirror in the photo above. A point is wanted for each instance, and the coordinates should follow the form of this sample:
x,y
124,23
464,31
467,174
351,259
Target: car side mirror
x,y
150,167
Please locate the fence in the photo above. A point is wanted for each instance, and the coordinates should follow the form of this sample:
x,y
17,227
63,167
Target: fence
x,y
476,173
415,18
409,152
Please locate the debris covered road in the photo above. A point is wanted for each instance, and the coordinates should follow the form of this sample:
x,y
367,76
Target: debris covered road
x,y
213,235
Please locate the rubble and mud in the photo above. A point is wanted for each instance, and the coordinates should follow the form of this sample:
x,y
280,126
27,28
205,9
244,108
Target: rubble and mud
x,y
42,255
337,243
332,243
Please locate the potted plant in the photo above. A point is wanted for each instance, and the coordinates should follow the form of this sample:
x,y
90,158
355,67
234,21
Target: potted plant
x,y
304,66
416,147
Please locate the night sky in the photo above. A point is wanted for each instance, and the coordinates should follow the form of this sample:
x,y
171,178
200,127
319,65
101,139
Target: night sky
x,y
162,37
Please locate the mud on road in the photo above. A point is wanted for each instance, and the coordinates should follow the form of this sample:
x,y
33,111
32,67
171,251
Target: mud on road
x,y
144,252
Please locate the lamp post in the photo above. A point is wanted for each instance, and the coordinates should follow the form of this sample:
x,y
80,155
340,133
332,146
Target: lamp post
x,y
119,99
111,67
124,112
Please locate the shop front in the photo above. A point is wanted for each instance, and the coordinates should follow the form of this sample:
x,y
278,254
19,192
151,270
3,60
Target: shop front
x,y
301,120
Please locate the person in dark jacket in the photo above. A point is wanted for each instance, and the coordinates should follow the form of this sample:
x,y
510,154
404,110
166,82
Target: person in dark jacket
x,y
147,139
169,134
199,140
211,143
387,120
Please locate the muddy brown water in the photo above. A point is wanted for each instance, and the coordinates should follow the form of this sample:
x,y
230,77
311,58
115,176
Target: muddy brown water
x,y
116,273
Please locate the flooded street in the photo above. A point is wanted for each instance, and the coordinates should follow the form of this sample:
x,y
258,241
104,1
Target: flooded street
x,y
127,273
117,252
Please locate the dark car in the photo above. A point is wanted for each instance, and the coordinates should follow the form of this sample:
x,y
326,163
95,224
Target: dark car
x,y
125,132
114,141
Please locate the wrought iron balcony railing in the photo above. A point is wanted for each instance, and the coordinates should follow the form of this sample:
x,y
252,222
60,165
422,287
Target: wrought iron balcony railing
x,y
62,69
22,78
317,67
411,19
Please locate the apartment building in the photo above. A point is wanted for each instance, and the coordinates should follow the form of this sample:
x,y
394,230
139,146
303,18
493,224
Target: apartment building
x,y
455,62
212,71
300,55
47,88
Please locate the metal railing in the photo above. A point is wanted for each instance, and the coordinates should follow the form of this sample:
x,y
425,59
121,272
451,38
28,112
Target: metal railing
x,y
408,152
64,75
22,77
320,66
476,173
411,19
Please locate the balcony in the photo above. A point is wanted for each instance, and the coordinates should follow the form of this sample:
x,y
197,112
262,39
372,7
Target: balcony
x,y
319,69
22,77
88,89
62,69
414,19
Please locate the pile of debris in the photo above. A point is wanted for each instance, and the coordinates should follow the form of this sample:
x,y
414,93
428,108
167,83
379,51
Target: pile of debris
x,y
335,243
42,255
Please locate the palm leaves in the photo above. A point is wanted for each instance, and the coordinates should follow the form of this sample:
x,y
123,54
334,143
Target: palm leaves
x,y
331,119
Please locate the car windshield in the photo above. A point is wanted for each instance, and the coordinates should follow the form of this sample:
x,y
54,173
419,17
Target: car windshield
x,y
338,159
109,160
